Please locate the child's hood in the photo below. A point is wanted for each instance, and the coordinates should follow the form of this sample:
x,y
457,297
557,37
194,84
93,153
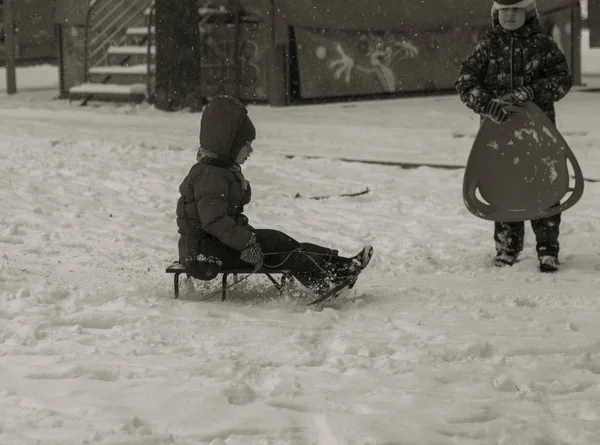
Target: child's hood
x,y
220,123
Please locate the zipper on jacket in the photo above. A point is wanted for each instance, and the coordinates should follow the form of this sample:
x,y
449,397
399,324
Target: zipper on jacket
x,y
512,62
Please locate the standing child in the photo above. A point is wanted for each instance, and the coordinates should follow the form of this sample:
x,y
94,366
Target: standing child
x,y
215,233
514,63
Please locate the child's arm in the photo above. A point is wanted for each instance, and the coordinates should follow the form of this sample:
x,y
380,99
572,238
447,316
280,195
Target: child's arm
x,y
557,79
213,206
471,76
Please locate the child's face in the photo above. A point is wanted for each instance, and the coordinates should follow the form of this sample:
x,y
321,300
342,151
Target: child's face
x,y
244,153
512,18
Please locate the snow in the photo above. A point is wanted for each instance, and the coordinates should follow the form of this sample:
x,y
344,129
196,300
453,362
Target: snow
x,y
434,346
32,78
109,88
118,69
139,31
131,50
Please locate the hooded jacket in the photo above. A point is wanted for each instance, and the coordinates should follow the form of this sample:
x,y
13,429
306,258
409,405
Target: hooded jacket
x,y
504,60
214,193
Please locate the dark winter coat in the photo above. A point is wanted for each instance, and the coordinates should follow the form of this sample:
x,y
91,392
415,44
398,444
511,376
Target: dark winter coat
x,y
213,195
504,60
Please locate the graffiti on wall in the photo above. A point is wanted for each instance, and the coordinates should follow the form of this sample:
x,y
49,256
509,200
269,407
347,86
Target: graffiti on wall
x,y
380,50
219,72
346,62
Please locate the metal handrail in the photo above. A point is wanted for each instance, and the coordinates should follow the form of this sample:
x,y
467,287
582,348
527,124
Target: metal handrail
x,y
116,33
111,19
149,43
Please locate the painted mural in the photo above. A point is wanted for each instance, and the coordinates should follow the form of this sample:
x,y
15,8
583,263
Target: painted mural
x,y
334,63
374,56
344,63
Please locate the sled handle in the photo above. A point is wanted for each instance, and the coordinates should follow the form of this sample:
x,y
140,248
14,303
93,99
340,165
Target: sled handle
x,y
577,190
473,203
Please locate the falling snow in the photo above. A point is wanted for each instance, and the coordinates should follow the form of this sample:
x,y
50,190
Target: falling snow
x,y
433,346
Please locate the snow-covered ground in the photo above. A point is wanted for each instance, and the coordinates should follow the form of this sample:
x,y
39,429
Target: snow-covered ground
x,y
32,78
433,347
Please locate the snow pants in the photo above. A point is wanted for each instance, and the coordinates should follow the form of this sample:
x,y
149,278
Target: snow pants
x,y
509,236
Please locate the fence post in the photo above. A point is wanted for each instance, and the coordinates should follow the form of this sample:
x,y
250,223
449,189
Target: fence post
x,y
10,45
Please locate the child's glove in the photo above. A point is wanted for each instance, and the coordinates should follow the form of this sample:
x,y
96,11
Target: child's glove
x,y
521,95
496,111
242,220
252,253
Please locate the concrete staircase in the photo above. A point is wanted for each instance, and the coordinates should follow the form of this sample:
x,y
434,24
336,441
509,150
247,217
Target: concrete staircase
x,y
121,73
121,54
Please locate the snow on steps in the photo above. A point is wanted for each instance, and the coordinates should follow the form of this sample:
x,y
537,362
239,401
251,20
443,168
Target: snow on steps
x,y
131,50
141,69
139,31
109,91
203,11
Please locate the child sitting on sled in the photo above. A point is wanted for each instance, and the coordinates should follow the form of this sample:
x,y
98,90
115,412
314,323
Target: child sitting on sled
x,y
514,63
214,232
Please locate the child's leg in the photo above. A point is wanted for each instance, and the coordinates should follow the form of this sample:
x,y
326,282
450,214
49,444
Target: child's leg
x,y
314,266
546,233
509,237
314,248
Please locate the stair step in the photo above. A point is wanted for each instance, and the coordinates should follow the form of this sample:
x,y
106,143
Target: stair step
x,y
139,31
129,50
213,11
135,89
118,69
203,11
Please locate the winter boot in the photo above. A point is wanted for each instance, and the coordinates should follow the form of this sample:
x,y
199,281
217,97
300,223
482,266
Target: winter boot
x,y
362,259
503,259
548,263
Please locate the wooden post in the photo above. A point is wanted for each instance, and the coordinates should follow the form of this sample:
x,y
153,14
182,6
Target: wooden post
x,y
576,25
277,76
9,25
594,22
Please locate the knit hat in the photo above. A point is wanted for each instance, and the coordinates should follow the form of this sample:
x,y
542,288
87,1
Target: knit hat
x,y
245,133
529,5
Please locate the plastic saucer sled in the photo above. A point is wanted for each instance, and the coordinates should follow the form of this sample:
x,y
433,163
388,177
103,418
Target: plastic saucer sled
x,y
518,170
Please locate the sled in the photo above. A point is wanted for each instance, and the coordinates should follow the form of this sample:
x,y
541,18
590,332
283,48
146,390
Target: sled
x,y
207,273
518,171
177,269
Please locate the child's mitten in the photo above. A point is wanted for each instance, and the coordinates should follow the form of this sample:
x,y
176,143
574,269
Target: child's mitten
x,y
252,253
496,111
521,95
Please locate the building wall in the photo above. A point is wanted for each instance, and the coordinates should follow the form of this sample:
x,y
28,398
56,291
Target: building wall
x,y
341,63
35,38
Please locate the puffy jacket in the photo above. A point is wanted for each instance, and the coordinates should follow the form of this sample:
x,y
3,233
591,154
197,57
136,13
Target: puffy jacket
x,y
504,60
214,193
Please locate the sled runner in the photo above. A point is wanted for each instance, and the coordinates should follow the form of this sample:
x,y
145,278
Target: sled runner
x,y
178,269
519,168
